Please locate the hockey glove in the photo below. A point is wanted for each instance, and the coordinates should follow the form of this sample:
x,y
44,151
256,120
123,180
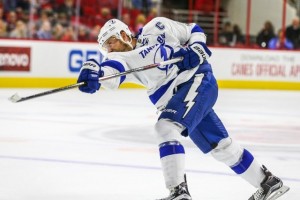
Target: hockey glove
x,y
193,55
90,74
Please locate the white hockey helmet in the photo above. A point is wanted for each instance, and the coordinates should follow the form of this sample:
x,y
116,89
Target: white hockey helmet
x,y
112,27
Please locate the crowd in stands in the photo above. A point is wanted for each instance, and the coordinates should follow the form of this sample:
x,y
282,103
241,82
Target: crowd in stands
x,y
63,20
267,37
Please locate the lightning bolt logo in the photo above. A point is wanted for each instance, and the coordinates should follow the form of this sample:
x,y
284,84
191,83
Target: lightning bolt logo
x,y
163,53
192,93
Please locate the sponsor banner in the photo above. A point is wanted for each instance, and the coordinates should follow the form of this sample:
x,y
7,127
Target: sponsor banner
x,y
233,67
51,59
15,58
256,65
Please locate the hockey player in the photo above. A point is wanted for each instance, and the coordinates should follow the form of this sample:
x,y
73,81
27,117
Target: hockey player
x,y
184,93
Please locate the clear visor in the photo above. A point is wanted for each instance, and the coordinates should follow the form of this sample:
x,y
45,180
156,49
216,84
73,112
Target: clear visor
x,y
109,42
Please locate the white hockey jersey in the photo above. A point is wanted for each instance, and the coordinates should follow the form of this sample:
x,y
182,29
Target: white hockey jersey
x,y
156,42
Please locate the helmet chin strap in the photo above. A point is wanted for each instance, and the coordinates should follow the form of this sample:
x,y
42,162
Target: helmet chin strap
x,y
127,42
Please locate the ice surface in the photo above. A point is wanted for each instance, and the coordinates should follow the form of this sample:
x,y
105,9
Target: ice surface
x,y
75,146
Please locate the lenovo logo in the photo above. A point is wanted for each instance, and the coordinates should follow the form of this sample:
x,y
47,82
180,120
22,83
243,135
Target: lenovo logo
x,y
14,59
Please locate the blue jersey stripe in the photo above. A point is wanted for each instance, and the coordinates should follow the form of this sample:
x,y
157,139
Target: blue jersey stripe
x,y
244,164
160,92
197,29
170,148
116,65
139,33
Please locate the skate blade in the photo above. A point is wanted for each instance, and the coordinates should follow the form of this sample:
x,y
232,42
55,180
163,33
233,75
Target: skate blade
x,y
278,193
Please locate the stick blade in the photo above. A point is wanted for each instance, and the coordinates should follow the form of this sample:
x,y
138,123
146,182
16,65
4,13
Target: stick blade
x,y
15,98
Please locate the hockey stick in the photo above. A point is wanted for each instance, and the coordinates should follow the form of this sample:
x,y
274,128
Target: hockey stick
x,y
16,98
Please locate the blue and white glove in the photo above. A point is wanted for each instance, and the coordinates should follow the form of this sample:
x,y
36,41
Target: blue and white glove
x,y
90,74
193,55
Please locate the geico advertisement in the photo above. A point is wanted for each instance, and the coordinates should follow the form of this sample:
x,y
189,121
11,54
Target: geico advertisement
x,y
76,57
23,58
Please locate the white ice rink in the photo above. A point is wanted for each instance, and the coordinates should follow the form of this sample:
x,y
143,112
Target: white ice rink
x,y
75,146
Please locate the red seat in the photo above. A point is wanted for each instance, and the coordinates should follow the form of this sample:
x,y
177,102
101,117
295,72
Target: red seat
x,y
59,2
89,11
92,3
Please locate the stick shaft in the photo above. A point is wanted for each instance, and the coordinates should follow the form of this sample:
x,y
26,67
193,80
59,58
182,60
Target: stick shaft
x,y
100,79
51,91
167,62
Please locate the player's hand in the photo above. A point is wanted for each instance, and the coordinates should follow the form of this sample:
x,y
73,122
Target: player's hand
x,y
90,74
193,55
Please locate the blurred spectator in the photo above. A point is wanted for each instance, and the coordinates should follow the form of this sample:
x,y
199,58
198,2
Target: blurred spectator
x,y
44,33
25,16
43,5
140,21
52,15
111,4
226,35
103,16
9,5
1,13
20,32
58,31
69,34
237,37
93,36
43,17
265,35
143,5
63,19
24,5
82,34
11,21
293,32
231,35
68,9
3,32
32,27
151,15
126,18
280,42
19,12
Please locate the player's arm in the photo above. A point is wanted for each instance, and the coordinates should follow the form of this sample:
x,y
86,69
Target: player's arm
x,y
193,39
110,67
196,50
91,71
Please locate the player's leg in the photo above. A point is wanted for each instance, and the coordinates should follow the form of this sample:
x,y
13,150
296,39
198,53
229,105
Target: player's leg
x,y
211,136
270,188
172,158
193,105
187,107
243,163
171,151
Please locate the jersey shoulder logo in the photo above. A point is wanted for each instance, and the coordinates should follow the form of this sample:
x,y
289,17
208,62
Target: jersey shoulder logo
x,y
160,26
143,41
